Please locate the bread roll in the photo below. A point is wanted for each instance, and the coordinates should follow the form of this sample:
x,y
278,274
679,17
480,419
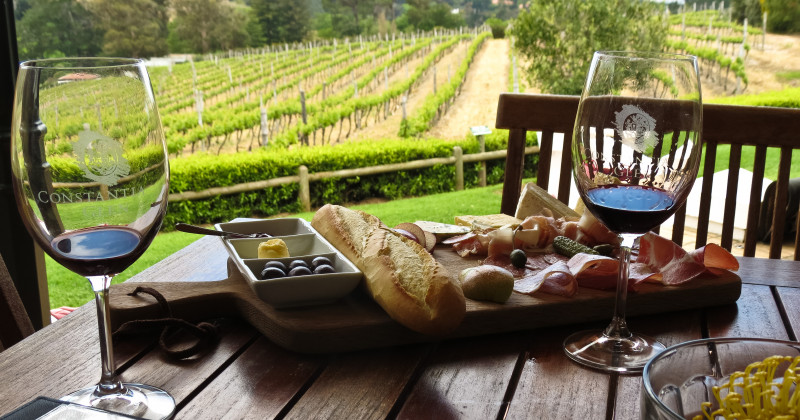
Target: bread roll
x,y
405,280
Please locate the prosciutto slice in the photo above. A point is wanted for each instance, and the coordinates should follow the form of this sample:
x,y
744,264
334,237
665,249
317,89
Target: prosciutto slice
x,y
594,271
676,266
555,279
714,256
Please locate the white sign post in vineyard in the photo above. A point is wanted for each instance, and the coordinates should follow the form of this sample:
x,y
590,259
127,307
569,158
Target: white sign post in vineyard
x,y
303,136
264,124
198,104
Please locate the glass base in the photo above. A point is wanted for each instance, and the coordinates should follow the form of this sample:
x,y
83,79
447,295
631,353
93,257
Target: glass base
x,y
137,400
624,355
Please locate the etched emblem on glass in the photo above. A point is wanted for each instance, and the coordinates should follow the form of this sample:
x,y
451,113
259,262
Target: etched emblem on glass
x,y
100,157
636,128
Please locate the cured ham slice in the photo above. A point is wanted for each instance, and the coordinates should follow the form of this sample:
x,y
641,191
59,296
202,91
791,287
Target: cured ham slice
x,y
468,244
594,271
555,279
715,256
675,265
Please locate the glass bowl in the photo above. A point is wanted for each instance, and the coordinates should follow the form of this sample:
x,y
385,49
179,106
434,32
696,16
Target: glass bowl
x,y
678,380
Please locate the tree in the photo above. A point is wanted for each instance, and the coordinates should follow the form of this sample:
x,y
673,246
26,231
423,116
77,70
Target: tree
x,y
349,15
283,20
209,25
746,9
425,15
57,28
783,15
558,37
134,28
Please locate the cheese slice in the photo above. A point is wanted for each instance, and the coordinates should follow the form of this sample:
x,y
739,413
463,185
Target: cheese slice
x,y
442,230
491,221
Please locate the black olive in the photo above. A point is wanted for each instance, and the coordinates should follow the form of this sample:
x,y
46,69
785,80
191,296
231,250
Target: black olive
x,y
321,261
276,264
324,269
300,271
272,273
297,263
518,258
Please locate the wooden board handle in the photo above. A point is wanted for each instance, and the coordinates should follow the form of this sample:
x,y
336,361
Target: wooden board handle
x,y
192,301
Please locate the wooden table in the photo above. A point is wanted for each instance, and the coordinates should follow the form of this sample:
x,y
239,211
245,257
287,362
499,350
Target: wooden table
x,y
515,375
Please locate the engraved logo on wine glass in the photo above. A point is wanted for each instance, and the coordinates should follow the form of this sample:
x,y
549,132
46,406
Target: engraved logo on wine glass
x,y
100,157
636,128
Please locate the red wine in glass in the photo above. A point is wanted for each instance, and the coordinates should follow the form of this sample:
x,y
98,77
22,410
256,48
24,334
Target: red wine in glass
x,y
630,208
100,250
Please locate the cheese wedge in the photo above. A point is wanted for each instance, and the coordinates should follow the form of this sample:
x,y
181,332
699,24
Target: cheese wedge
x,y
534,201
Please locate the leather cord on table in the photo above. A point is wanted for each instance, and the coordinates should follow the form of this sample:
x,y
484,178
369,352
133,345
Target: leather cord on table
x,y
205,333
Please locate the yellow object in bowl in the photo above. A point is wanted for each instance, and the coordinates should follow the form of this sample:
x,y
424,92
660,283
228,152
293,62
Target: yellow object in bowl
x,y
273,248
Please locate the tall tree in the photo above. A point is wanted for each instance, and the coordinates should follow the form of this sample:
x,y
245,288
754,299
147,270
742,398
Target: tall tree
x,y
283,20
348,16
57,28
747,9
427,14
135,28
558,37
209,25
783,15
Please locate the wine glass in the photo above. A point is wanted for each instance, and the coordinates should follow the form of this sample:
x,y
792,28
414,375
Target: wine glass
x,y
636,152
90,175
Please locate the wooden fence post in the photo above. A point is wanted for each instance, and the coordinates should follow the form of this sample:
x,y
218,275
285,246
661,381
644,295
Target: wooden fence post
x,y
479,132
304,193
459,155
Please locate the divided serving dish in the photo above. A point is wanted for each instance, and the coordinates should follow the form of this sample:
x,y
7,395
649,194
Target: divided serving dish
x,y
304,243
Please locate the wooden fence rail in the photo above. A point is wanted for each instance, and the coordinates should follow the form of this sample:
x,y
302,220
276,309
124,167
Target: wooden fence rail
x,y
304,178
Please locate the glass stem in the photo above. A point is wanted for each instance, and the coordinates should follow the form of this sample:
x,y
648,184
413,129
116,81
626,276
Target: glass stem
x,y
618,328
109,384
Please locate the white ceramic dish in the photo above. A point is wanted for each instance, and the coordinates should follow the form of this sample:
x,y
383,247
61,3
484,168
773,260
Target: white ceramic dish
x,y
303,243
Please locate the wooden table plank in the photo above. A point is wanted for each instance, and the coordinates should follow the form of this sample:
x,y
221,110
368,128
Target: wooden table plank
x,y
261,383
754,315
466,379
551,386
669,329
361,385
790,302
203,260
769,272
182,378
59,359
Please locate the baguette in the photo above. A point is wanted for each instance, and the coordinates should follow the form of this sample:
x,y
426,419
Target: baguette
x,y
403,278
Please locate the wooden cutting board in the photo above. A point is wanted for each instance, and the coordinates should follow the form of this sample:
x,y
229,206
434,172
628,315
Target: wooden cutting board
x,y
357,322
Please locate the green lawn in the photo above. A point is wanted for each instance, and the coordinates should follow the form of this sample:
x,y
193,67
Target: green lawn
x,y
70,289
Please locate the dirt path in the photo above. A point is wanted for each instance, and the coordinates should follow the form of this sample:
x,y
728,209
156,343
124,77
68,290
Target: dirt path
x,y
477,103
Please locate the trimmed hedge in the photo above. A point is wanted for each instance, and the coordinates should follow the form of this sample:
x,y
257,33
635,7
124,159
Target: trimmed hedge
x,y
203,171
